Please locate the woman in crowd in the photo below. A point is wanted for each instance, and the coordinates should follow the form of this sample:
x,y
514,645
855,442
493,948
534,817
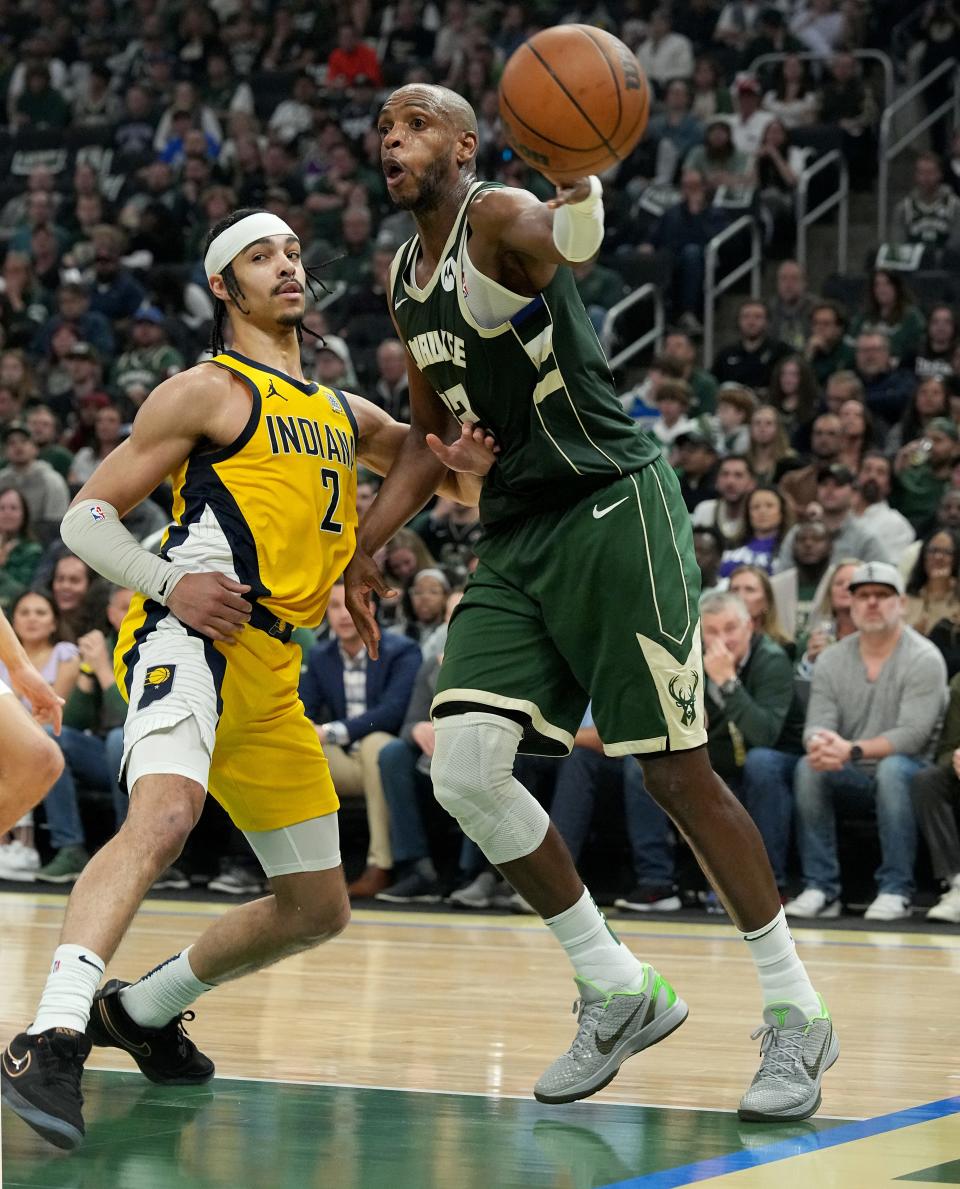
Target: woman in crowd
x,y
778,168
78,597
710,97
36,625
794,392
933,605
891,309
403,556
858,433
16,373
935,357
19,552
769,451
752,584
58,383
830,618
107,434
793,100
718,159
768,519
930,399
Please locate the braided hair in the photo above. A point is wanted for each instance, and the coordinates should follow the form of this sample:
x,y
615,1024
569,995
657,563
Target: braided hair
x,y
232,285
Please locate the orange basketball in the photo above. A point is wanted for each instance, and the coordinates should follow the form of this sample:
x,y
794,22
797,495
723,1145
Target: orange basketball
x,y
573,101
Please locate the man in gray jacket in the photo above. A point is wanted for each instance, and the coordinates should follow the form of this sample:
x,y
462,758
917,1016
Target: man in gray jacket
x,y
876,705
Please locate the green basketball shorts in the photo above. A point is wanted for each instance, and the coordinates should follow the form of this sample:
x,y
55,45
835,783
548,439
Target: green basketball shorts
x,y
592,602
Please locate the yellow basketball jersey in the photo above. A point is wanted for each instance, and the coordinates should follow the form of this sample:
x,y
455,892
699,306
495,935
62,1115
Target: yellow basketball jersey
x,y
278,506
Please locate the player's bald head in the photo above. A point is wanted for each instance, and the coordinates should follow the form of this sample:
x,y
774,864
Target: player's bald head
x,y
447,104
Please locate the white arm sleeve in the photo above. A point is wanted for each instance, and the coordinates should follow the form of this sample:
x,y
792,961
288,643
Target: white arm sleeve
x,y
92,530
578,227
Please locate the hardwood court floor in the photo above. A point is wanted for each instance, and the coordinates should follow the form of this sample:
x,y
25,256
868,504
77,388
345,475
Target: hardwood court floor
x,y
403,1054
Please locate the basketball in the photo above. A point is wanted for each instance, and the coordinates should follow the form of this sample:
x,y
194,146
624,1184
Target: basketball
x,y
573,101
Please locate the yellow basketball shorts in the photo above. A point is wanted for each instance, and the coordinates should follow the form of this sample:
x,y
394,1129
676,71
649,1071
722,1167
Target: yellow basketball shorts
x,y
266,766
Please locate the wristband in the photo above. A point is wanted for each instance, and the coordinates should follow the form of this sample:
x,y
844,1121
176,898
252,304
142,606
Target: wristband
x,y
578,226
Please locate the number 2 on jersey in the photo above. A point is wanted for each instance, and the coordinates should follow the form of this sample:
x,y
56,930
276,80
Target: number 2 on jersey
x,y
331,480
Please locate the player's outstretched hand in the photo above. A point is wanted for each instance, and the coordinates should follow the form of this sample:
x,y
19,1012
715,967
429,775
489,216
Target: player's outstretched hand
x,y
362,576
473,453
211,603
567,192
45,702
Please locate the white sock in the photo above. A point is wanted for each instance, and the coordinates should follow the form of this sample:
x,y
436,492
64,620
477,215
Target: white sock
x,y
75,974
783,978
163,993
594,949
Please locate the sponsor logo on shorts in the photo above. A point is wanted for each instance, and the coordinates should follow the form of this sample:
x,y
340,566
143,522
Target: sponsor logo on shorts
x,y
157,684
683,689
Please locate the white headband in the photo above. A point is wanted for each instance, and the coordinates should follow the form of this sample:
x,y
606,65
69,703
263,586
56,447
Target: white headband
x,y
240,235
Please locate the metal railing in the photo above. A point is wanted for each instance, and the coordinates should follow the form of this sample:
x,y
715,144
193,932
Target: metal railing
x,y
840,198
886,65
712,288
648,338
888,151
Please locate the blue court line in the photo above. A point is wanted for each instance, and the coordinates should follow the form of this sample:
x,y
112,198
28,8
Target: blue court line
x,y
807,937
846,1133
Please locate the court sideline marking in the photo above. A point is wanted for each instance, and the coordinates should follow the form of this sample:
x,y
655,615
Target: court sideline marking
x,y
846,1133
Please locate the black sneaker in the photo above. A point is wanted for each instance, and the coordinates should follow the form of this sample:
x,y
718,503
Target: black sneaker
x,y
418,886
165,1055
41,1083
646,898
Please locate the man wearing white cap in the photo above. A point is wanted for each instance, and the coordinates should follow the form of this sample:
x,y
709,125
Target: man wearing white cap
x,y
876,705
263,466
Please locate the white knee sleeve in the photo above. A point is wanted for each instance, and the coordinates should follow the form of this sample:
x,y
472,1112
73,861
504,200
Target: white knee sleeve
x,y
473,780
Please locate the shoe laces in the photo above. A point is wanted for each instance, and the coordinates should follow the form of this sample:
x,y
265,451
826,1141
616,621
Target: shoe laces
x,y
781,1051
183,1041
588,1017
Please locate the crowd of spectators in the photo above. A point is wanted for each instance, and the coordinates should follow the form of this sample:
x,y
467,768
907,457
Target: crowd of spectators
x,y
819,440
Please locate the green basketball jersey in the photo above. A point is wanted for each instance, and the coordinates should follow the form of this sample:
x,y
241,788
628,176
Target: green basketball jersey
x,y
539,382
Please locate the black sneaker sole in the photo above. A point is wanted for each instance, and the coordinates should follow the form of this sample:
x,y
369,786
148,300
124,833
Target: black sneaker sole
x,y
99,1033
54,1130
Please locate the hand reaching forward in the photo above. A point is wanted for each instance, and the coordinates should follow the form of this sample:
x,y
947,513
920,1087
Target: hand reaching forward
x,y
473,453
46,704
569,192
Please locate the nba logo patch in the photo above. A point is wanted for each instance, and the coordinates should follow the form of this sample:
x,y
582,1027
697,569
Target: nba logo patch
x,y
98,513
157,684
335,404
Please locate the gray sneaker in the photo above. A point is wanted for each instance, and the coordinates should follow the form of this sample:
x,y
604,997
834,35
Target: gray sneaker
x,y
795,1053
476,894
612,1028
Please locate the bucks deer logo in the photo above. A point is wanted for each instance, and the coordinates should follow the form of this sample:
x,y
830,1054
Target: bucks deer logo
x,y
685,698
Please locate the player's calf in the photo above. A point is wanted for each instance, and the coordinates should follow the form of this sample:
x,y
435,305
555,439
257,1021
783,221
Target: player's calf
x,y
30,764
